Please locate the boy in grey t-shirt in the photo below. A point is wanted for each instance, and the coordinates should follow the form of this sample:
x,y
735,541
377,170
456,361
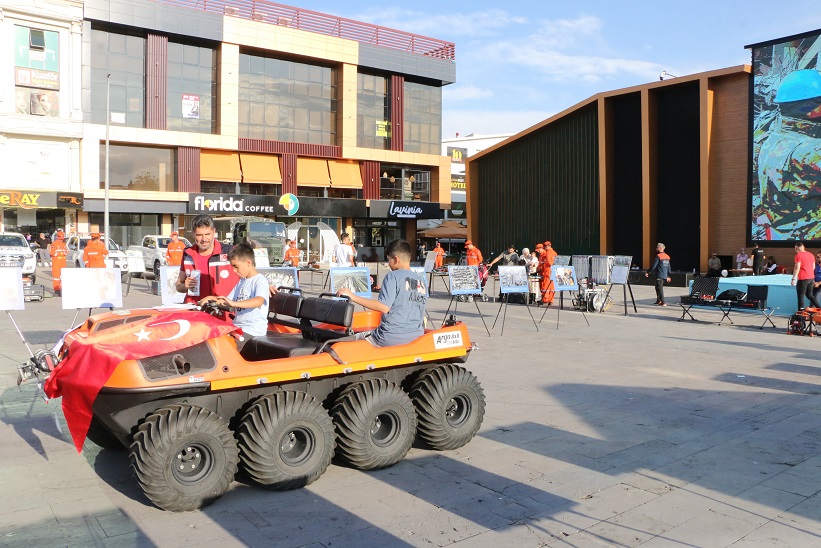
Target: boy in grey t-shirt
x,y
401,300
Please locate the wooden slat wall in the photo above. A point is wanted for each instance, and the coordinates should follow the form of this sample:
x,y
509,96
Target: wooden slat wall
x,y
283,147
370,180
288,168
156,81
188,169
397,110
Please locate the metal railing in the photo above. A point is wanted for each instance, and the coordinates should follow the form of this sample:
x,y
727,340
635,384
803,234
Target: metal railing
x,y
323,23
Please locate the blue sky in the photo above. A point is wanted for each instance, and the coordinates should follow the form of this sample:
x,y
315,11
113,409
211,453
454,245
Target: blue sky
x,y
519,62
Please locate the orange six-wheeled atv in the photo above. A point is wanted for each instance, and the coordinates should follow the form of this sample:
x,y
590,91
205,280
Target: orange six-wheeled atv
x,y
279,410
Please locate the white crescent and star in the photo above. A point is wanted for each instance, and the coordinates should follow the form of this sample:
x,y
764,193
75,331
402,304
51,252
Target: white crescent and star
x,y
184,326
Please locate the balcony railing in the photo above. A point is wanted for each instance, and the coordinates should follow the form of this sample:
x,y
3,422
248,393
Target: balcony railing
x,y
323,23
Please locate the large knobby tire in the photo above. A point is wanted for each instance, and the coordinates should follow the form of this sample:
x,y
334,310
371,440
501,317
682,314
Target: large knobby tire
x,y
286,440
450,404
184,456
375,424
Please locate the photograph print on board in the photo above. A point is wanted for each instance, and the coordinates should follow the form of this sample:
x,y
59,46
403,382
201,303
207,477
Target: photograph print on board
x,y
464,280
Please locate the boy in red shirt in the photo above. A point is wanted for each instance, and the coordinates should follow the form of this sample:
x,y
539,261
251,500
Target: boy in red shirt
x,y
804,275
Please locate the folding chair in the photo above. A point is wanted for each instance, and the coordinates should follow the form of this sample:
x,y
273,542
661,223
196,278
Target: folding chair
x,y
701,287
757,300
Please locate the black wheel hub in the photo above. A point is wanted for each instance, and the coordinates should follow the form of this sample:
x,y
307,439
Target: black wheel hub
x,y
457,410
296,446
385,429
192,463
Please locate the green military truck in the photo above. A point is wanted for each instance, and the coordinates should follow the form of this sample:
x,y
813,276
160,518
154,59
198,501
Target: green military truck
x,y
259,231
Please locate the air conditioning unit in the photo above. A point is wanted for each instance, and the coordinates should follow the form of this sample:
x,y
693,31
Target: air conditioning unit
x,y
231,10
284,21
256,16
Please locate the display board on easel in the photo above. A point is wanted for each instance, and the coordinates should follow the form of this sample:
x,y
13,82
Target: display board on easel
x,y
169,276
281,276
564,278
620,275
11,289
512,280
464,280
91,288
357,279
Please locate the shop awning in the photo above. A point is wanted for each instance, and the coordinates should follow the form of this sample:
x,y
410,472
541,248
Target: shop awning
x,y
220,165
345,174
312,172
260,168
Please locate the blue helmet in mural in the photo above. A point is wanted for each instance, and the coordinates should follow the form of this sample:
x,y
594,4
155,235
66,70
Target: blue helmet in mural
x,y
798,86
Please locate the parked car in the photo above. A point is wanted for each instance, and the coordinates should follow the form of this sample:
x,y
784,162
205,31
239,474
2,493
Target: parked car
x,y
152,250
15,251
77,243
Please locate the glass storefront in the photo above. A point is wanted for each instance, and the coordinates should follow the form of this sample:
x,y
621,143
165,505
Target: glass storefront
x,y
281,100
140,168
127,228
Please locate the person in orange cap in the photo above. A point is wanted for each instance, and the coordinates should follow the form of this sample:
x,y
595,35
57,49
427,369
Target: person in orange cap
x,y
95,252
58,253
176,247
440,255
292,253
546,259
473,255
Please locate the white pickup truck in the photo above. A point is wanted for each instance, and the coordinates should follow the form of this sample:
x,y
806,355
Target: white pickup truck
x,y
152,251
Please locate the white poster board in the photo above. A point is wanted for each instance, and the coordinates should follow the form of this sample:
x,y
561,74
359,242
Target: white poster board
x,y
619,274
357,279
135,262
464,280
11,289
261,258
513,279
169,276
281,276
430,261
91,288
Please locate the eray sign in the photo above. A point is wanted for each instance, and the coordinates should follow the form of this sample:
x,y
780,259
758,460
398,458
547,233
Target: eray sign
x,y
395,209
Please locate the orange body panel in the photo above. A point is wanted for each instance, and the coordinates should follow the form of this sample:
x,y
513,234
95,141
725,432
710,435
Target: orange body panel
x,y
232,371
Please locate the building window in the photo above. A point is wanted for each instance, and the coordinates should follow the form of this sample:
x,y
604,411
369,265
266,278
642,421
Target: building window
x,y
122,56
36,71
140,168
373,112
192,88
404,184
282,100
423,118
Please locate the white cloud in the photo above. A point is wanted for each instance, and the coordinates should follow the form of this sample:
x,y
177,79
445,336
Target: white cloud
x,y
465,93
489,122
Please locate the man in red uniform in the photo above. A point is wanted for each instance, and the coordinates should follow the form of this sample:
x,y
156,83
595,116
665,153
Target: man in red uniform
x,y
546,259
292,253
440,255
803,276
176,247
58,253
473,255
210,258
95,252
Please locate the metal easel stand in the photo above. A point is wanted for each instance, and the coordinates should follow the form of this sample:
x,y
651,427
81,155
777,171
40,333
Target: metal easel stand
x,y
625,288
503,303
452,297
558,311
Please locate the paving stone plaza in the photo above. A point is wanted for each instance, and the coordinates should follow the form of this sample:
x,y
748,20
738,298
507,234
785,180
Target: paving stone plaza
x,y
636,430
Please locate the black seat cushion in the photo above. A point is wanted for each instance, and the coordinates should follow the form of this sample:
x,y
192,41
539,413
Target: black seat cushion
x,y
272,347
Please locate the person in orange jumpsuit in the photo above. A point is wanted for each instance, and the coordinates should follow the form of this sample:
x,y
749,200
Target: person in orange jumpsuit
x,y
95,252
473,255
292,253
58,253
173,255
545,262
440,255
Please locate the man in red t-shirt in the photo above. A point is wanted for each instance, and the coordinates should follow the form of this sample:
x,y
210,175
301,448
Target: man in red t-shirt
x,y
804,275
210,258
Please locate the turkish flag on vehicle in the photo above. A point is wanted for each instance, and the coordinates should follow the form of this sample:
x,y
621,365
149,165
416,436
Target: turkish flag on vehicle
x,y
91,361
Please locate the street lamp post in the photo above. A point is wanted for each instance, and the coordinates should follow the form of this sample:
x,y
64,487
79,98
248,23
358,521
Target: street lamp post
x,y
106,235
